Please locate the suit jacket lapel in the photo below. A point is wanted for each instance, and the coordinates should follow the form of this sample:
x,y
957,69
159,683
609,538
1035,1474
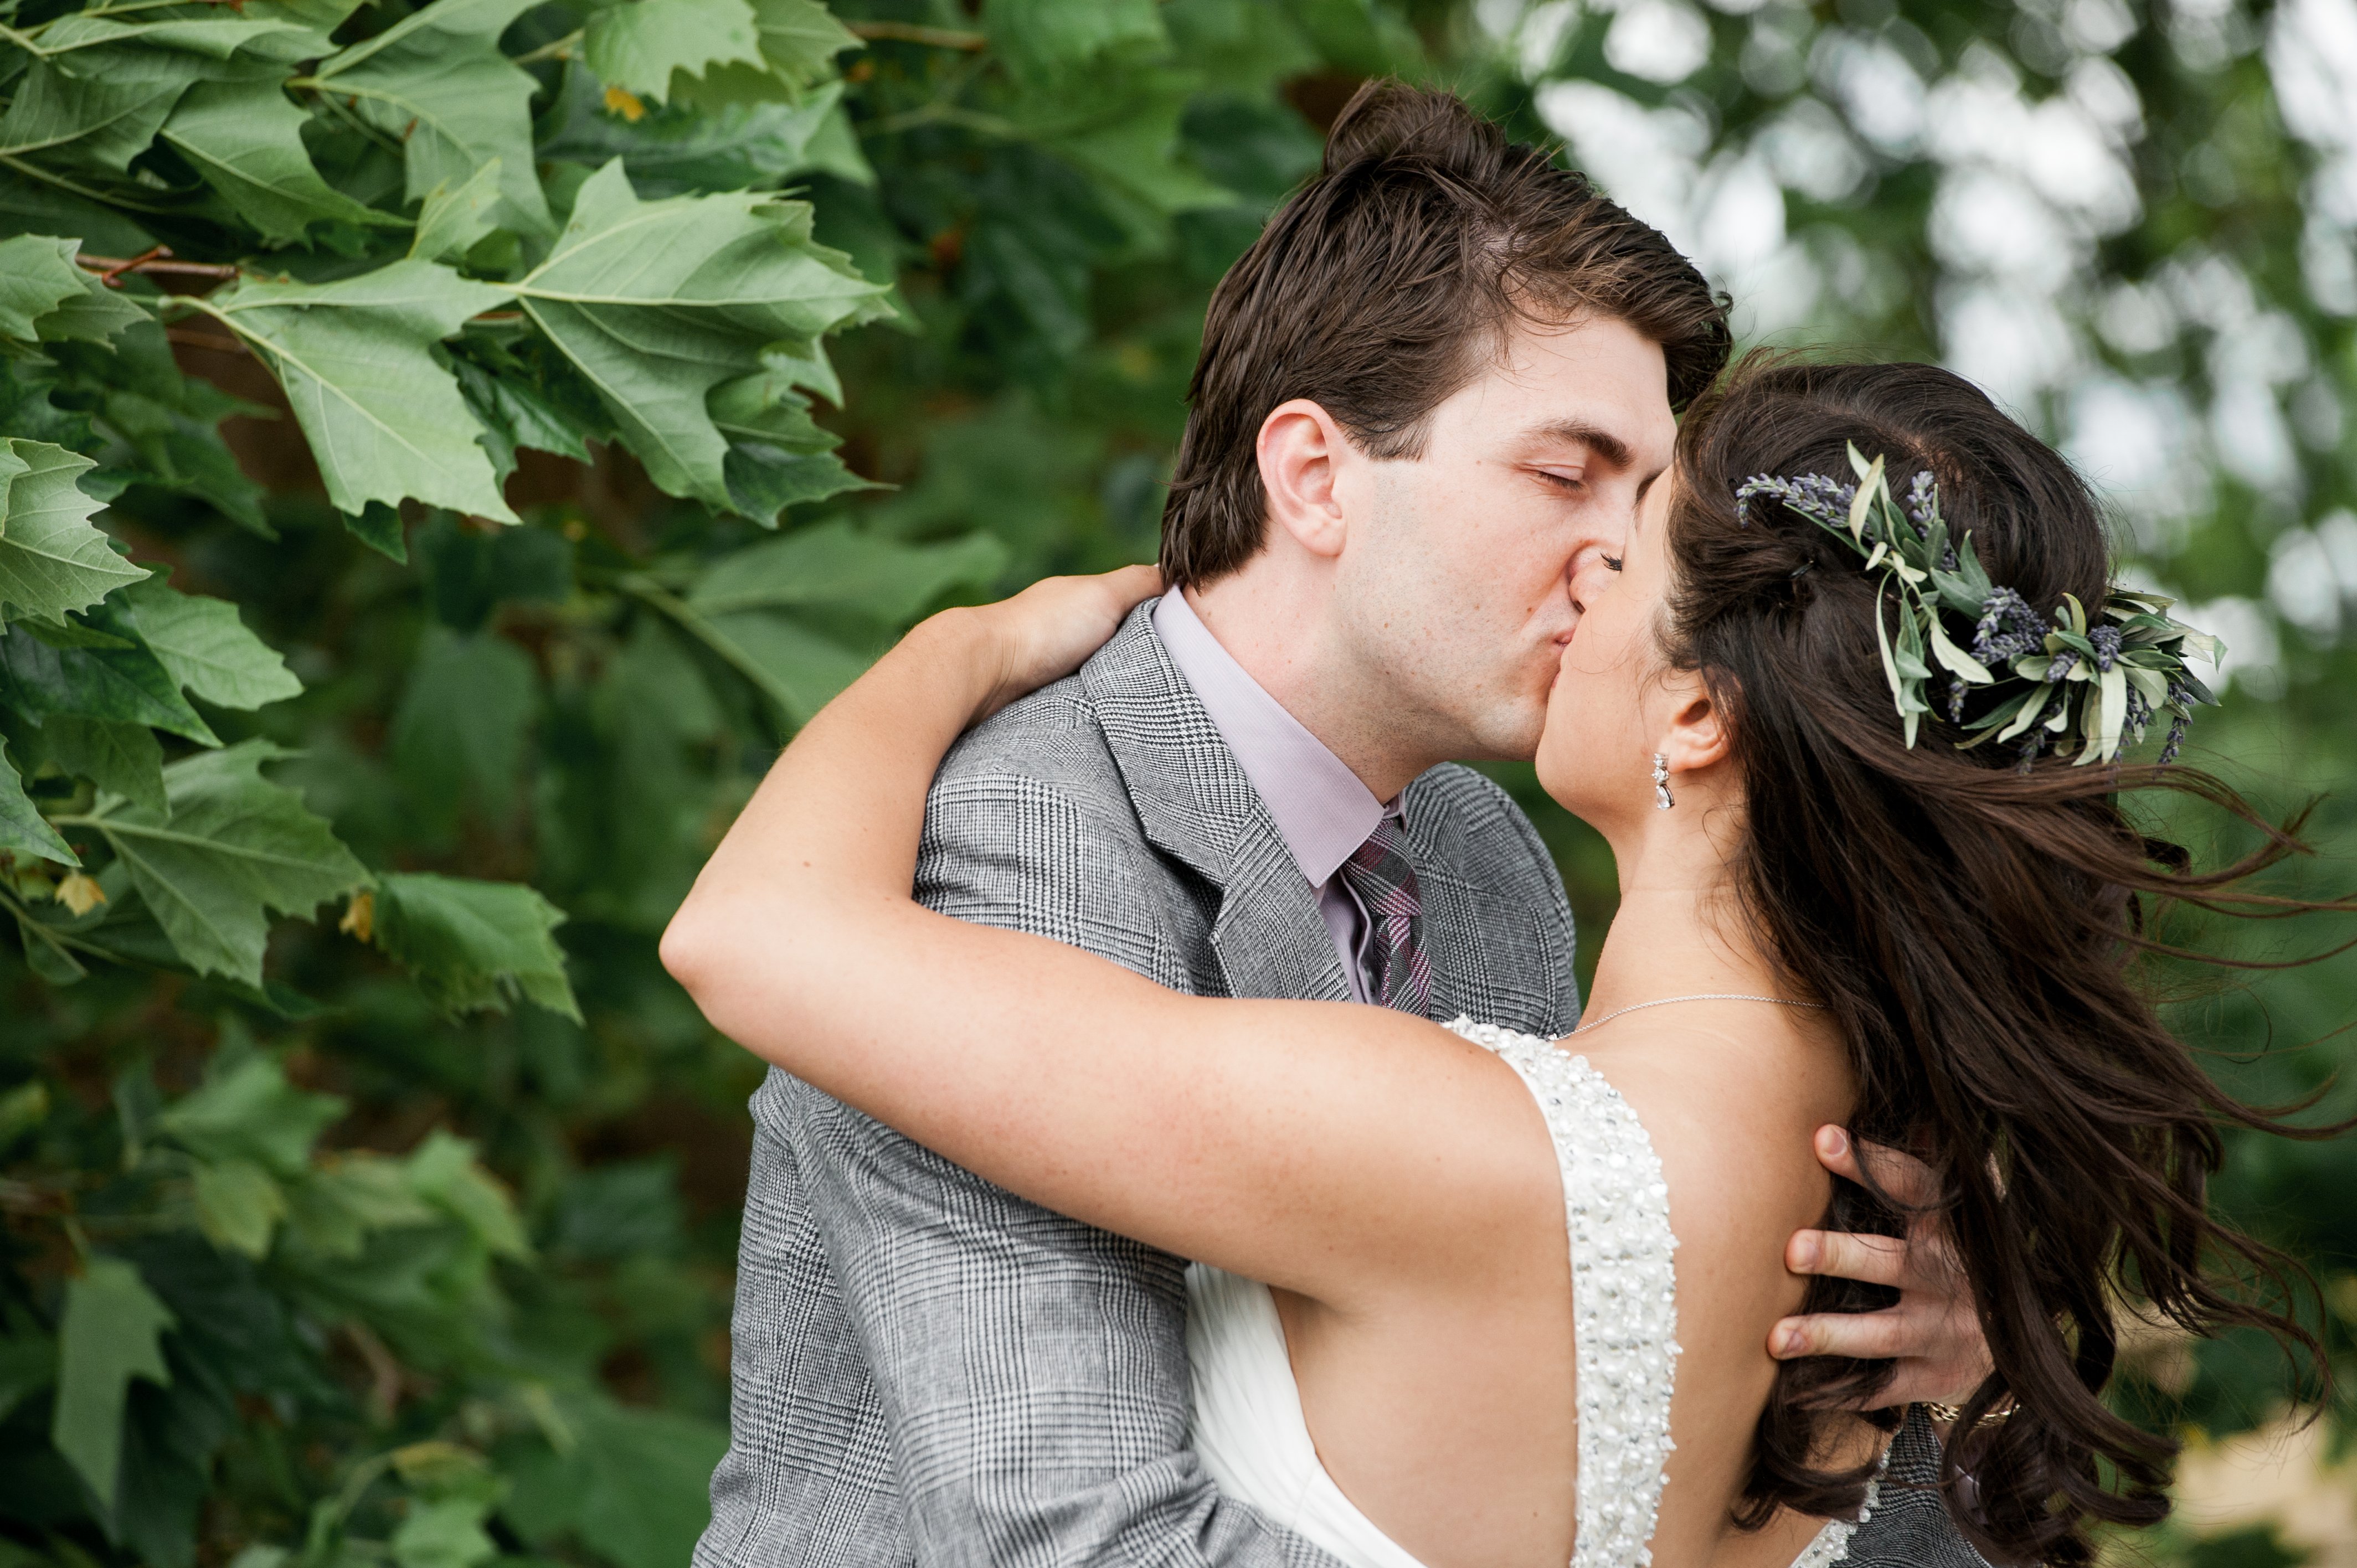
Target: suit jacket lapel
x,y
1493,957
1195,803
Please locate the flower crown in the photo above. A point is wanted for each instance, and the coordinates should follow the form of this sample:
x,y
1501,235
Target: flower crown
x,y
2054,684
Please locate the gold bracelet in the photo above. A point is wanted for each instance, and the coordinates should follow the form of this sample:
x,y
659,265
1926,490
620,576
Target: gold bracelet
x,y
1951,1415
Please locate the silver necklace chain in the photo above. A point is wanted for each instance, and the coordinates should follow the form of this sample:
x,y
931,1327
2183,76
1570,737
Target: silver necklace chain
x,y
1699,996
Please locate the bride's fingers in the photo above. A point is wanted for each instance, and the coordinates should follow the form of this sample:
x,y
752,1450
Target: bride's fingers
x,y
1876,1260
1045,631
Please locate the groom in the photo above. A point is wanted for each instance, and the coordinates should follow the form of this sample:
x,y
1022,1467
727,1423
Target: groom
x,y
1428,400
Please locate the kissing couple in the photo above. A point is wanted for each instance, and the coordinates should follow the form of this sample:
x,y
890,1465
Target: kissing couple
x,y
1186,1143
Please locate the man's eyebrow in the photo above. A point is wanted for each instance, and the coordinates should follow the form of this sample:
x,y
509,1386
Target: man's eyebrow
x,y
1603,443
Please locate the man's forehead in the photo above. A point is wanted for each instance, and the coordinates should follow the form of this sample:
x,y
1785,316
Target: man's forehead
x,y
1576,384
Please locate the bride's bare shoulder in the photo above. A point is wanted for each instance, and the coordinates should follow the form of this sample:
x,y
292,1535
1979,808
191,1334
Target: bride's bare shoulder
x,y
1730,1104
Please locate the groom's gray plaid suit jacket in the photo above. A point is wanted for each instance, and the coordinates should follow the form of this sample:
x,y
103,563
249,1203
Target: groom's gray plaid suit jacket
x,y
928,1368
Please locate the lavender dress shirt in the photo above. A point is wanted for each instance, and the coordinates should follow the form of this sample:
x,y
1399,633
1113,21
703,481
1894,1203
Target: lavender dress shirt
x,y
1321,810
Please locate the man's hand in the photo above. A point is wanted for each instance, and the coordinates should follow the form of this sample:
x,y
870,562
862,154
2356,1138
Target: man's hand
x,y
1933,1334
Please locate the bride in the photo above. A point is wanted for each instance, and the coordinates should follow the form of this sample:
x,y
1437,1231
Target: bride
x,y
1469,1297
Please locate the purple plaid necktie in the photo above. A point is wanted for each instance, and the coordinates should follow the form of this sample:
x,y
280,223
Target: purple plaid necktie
x,y
1378,873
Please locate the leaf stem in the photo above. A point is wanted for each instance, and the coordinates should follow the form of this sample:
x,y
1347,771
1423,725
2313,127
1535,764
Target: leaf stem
x,y
58,939
110,268
642,586
912,33
563,49
939,112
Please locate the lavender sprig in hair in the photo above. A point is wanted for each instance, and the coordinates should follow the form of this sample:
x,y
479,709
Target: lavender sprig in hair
x,y
2048,683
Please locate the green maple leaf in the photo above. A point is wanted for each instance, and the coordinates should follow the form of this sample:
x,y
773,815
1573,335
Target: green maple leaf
x,y
447,1532
835,564
443,1171
250,1113
1123,129
238,1206
113,675
51,559
108,1336
101,88
473,944
683,149
206,646
659,302
778,455
455,216
232,847
1047,42
436,82
245,139
122,757
23,829
798,42
36,275
465,715
798,669
638,45
385,421
94,315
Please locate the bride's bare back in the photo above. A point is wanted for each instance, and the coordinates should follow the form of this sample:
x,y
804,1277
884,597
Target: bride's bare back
x,y
1444,1407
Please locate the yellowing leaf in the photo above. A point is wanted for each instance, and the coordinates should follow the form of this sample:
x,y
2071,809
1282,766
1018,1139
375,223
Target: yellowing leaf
x,y
360,915
81,893
623,102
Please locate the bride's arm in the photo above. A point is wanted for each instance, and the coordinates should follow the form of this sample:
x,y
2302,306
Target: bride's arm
x,y
1308,1144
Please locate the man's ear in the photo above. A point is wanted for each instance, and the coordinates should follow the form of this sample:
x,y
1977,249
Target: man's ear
x,y
1299,448
1698,735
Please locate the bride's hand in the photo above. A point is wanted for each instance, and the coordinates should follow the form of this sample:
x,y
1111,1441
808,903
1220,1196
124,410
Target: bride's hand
x,y
1049,630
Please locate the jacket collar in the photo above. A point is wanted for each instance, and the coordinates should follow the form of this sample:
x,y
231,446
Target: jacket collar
x,y
1195,803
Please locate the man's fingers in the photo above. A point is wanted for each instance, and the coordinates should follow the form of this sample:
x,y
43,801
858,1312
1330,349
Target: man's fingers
x,y
1899,1173
1865,1336
1876,1260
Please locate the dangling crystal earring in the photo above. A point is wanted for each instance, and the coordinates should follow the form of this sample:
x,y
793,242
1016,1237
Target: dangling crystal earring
x,y
1662,781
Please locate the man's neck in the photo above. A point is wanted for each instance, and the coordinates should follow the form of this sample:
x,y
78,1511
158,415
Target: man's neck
x,y
1268,626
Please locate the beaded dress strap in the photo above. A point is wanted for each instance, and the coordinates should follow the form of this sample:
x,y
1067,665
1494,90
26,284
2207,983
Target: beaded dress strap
x,y
1623,1293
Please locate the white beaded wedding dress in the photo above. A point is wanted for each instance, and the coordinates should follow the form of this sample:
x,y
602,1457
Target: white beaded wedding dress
x,y
1248,1425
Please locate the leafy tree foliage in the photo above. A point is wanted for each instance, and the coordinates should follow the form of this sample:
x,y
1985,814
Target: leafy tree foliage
x,y
448,448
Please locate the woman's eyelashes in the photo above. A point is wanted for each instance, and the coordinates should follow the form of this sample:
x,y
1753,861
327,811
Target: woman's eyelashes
x,y
1612,562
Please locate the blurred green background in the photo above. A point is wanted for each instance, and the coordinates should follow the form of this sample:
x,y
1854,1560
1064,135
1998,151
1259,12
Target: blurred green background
x,y
2135,222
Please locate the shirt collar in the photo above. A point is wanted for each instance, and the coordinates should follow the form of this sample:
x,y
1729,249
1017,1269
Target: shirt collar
x,y
1320,808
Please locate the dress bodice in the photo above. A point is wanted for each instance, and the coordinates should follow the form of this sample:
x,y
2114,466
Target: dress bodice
x,y
1247,1424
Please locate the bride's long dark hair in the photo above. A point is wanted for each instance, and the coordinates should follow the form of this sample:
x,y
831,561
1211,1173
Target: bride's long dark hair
x,y
1973,925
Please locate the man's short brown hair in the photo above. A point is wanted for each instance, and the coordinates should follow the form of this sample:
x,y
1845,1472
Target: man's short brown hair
x,y
1385,283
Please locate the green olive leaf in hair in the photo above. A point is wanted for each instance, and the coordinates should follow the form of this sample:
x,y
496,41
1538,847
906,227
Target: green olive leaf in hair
x,y
2042,682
